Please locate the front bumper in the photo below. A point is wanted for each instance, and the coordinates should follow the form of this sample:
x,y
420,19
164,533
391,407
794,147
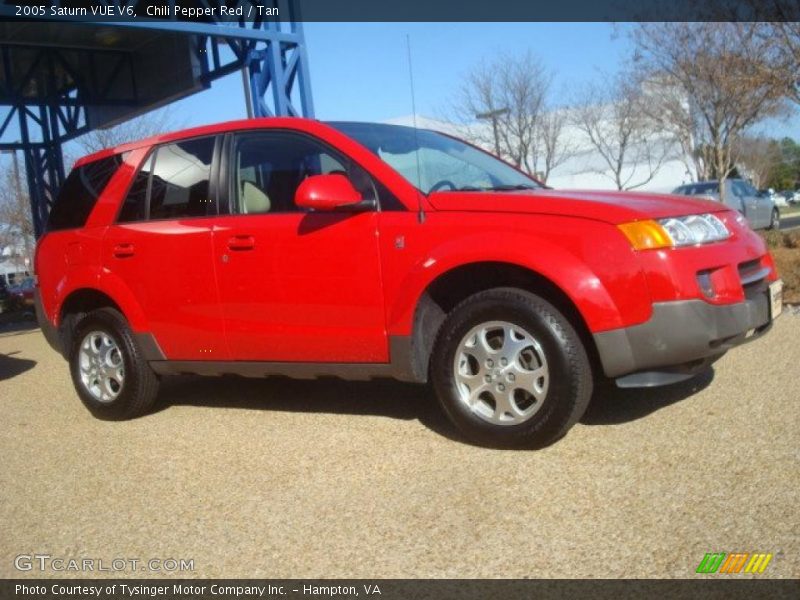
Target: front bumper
x,y
681,335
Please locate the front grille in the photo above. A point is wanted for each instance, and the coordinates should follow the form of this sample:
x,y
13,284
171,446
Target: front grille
x,y
754,278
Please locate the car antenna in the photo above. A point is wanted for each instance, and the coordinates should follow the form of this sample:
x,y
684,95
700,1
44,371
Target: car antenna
x,y
421,211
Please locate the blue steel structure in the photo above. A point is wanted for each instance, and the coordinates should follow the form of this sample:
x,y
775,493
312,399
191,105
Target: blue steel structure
x,y
66,91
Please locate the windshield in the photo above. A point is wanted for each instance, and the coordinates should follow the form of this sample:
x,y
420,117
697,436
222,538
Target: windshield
x,y
434,162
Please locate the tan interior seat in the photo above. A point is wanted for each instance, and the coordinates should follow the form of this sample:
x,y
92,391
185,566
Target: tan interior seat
x,y
254,200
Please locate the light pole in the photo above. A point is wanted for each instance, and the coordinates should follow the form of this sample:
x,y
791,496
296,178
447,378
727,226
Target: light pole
x,y
494,115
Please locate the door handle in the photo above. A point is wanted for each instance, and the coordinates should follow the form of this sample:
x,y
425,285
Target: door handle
x,y
241,242
123,250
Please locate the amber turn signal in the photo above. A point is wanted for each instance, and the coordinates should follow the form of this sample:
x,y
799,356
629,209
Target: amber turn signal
x,y
646,235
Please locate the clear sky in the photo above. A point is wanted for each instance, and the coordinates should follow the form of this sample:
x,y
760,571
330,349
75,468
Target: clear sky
x,y
359,71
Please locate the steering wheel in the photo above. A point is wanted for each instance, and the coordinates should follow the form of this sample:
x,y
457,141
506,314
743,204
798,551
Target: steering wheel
x,y
440,184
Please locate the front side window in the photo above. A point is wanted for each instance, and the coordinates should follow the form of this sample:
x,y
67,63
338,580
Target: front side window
x,y
741,189
751,191
268,168
432,161
173,183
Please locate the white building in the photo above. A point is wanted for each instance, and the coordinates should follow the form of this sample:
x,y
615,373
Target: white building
x,y
585,169
14,264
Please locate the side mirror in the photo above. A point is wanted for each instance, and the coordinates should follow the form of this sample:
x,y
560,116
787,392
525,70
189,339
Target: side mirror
x,y
326,192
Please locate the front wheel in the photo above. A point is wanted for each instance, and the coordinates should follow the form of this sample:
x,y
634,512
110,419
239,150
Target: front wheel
x,y
510,370
111,376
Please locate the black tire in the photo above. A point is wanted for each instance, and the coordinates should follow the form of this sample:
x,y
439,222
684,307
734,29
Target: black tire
x,y
570,375
140,385
775,220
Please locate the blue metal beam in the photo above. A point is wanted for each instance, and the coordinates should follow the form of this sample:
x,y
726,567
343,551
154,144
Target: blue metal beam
x,y
273,53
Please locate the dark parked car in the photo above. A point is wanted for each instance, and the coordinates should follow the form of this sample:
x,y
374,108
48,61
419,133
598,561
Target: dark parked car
x,y
4,296
21,295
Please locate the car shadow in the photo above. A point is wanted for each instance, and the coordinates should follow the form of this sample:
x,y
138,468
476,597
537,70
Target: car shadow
x,y
10,366
392,399
611,405
11,328
381,397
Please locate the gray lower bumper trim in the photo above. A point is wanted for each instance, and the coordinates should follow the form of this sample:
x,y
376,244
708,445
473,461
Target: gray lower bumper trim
x,y
50,331
681,332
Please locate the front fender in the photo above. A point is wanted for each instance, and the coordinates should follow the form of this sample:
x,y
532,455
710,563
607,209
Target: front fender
x,y
602,278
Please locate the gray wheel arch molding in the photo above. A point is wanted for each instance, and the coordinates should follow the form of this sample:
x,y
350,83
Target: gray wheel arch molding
x,y
146,341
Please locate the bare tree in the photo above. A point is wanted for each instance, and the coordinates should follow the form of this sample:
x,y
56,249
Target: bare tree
x,y
16,223
757,158
511,93
776,24
785,39
153,123
616,125
720,72
553,148
668,110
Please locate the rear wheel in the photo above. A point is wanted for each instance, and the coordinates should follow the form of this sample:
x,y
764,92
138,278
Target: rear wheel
x,y
110,374
510,370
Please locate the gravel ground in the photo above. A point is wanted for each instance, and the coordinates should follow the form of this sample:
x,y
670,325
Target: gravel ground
x,y
280,478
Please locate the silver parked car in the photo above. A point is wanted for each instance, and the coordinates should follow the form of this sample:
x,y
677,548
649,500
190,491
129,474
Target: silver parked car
x,y
759,210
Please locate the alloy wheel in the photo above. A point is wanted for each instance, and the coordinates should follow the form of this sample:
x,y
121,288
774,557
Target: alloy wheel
x,y
102,370
501,373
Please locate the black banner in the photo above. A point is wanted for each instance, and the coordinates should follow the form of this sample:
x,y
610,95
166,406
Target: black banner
x,y
708,588
206,11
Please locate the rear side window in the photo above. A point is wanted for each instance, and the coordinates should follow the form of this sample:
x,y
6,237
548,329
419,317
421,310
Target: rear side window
x,y
80,192
180,182
173,183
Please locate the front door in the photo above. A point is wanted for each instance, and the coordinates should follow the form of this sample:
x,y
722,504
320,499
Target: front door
x,y
296,286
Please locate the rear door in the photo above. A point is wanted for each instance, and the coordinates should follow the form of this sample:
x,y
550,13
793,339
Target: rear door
x,y
296,285
160,249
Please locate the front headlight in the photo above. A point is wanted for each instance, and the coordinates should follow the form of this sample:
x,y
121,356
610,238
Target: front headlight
x,y
675,232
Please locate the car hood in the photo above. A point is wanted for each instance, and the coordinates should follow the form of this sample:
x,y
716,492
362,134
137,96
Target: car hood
x,y
611,207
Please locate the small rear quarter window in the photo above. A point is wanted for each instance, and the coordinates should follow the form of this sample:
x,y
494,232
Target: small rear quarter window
x,y
80,192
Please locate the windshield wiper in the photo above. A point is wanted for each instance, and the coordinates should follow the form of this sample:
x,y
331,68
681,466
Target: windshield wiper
x,y
493,188
510,188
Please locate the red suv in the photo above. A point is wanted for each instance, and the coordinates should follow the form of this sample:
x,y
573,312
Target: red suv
x,y
293,247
